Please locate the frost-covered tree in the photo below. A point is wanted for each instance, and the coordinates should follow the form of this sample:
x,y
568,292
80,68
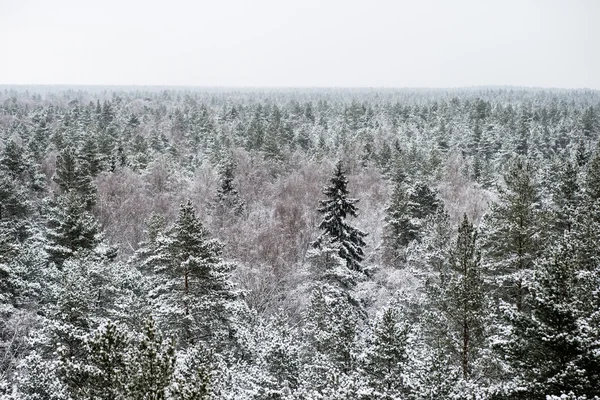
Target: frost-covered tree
x,y
228,197
567,198
386,359
103,372
72,176
191,281
330,330
547,346
411,205
432,371
73,231
14,204
336,209
513,230
152,366
587,220
12,159
328,267
401,228
464,296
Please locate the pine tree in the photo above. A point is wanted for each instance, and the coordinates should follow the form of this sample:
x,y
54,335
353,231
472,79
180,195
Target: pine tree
x,y
13,159
429,257
71,176
425,201
547,347
193,279
567,197
103,372
464,297
152,366
587,220
387,358
14,205
513,229
401,228
145,255
193,253
72,231
38,379
335,209
331,326
88,156
279,349
433,374
67,170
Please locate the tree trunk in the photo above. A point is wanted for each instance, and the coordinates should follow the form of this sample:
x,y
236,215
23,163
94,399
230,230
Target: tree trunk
x,y
185,293
465,349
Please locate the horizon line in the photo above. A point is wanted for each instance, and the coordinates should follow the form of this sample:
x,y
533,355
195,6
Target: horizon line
x,y
291,87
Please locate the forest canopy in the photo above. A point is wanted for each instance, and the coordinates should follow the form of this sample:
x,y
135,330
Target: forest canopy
x,y
173,243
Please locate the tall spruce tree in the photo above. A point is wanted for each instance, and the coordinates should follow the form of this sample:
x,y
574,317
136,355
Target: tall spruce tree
x,y
335,209
228,197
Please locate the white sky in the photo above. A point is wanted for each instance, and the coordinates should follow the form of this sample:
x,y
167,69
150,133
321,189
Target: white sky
x,y
368,43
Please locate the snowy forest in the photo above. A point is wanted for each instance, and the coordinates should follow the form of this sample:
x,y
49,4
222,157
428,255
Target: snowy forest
x,y
173,243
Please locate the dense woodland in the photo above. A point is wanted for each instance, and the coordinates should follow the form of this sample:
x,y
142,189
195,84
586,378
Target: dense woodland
x,y
299,244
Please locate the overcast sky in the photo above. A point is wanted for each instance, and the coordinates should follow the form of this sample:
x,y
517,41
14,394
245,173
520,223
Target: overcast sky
x,y
367,43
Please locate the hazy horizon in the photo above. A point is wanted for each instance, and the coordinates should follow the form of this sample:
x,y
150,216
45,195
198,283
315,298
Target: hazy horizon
x,y
275,45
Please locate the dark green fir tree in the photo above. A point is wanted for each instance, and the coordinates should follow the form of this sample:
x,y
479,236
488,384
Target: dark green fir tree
x,y
334,226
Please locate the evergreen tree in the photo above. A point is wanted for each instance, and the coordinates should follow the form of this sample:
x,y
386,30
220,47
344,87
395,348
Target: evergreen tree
x,y
425,201
279,348
410,208
193,279
152,366
227,195
387,357
67,170
566,198
433,374
335,209
463,298
71,176
14,205
513,229
145,255
400,226
327,267
103,372
547,347
13,159
72,231
88,156
330,331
